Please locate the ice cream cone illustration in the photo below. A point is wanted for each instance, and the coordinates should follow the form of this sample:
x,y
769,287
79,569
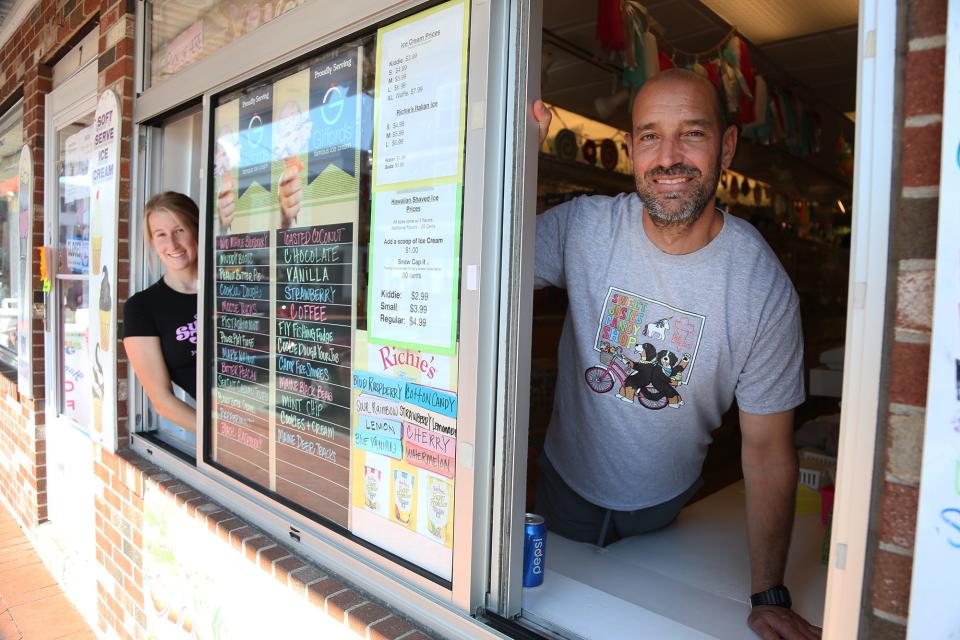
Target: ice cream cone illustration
x,y
96,245
98,389
106,310
97,425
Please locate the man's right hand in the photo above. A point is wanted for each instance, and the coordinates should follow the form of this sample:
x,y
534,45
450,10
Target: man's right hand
x,y
543,117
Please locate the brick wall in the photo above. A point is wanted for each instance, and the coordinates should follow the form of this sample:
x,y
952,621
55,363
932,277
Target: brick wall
x,y
26,61
913,247
122,544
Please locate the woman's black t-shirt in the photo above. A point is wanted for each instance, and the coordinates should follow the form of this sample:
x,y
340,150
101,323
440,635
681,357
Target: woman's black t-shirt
x,y
171,316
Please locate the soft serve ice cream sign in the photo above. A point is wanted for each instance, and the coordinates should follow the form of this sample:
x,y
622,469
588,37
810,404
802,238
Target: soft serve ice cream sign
x,y
103,266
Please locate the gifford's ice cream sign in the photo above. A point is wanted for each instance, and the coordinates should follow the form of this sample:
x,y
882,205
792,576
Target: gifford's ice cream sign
x,y
103,265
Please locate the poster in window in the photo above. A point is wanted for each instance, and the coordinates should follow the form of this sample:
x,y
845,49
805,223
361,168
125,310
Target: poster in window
x,y
286,175
23,273
104,186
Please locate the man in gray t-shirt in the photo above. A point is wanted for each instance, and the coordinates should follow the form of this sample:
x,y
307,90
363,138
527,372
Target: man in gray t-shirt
x,y
676,308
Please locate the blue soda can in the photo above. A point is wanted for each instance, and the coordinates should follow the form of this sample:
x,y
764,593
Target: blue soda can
x,y
534,549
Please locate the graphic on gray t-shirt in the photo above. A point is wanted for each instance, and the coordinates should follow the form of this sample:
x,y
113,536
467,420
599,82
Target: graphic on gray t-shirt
x,y
628,327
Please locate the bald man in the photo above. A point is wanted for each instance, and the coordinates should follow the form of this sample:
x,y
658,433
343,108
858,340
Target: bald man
x,y
676,308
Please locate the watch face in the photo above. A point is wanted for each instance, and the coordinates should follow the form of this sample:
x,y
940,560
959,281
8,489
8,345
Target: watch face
x,y
778,596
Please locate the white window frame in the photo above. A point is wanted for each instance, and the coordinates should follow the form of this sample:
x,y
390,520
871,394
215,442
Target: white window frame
x,y
309,28
866,306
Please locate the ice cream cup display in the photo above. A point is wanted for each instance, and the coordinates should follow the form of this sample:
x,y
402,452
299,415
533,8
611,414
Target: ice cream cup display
x,y
403,488
438,508
371,488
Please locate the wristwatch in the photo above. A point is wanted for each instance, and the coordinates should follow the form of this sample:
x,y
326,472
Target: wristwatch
x,y
778,596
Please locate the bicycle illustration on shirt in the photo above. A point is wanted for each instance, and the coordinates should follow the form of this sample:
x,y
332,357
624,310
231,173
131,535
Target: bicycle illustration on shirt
x,y
651,379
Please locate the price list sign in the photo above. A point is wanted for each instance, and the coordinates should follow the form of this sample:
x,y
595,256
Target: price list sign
x,y
419,110
419,117
413,270
314,299
242,365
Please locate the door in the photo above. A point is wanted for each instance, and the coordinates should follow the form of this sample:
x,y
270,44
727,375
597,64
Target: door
x,y
69,361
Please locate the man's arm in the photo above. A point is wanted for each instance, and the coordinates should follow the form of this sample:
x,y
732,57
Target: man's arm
x,y
770,475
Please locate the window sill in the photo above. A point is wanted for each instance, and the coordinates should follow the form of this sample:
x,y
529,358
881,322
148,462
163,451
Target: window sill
x,y
689,580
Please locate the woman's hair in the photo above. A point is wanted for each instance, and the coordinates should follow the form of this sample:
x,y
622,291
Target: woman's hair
x,y
180,205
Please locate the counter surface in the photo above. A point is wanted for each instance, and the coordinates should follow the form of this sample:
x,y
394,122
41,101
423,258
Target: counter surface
x,y
689,580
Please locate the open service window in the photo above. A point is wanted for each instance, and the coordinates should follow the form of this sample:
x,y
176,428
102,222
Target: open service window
x,y
170,160
791,184
338,323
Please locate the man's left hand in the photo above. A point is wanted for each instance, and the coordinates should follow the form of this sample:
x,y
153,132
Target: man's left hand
x,y
774,623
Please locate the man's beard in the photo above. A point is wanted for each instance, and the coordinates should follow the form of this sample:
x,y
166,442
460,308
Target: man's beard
x,y
691,204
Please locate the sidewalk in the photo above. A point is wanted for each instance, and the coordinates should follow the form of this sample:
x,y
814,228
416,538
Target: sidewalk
x,y
32,606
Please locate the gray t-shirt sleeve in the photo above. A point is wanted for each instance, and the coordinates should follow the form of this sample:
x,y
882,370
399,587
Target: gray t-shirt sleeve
x,y
548,261
772,377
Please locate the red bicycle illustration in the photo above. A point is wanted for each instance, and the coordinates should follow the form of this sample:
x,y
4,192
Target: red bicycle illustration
x,y
613,365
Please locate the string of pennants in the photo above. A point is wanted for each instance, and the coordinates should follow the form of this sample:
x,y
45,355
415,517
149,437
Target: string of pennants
x,y
767,113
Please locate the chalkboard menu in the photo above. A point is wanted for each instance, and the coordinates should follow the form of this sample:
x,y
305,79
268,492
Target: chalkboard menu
x,y
242,279
313,361
332,359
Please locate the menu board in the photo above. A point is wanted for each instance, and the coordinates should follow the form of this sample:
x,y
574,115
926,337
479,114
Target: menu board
x,y
313,355
417,180
286,178
304,406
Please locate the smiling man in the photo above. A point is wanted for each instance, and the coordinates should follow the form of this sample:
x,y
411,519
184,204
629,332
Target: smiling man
x,y
676,308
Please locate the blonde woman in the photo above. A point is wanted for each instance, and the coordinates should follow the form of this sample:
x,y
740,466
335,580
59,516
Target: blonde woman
x,y
160,322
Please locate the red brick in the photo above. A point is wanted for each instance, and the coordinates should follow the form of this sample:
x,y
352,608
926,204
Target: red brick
x,y
898,514
360,618
923,82
338,603
909,363
283,568
226,526
214,519
926,18
268,556
317,592
891,583
237,536
299,579
390,629
253,547
920,163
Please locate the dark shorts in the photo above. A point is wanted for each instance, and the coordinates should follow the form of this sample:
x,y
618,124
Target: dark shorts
x,y
579,519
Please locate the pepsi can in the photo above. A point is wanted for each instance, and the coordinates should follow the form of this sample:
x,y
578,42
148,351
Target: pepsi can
x,y
534,549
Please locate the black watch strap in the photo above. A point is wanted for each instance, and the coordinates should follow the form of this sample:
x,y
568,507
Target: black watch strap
x,y
778,596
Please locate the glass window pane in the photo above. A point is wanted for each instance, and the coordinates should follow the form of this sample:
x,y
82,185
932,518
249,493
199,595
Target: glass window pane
x,y
183,32
75,388
332,353
11,142
79,368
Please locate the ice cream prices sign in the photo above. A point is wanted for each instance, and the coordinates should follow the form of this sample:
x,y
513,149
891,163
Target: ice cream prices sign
x,y
105,182
418,180
308,265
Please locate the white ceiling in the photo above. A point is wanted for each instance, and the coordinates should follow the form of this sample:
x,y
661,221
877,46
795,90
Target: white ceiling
x,y
820,65
764,21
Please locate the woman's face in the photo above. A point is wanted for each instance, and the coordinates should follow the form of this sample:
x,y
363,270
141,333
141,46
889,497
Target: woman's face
x,y
172,240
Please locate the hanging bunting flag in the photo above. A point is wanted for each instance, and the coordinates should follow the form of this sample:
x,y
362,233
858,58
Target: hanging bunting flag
x,y
651,55
610,30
